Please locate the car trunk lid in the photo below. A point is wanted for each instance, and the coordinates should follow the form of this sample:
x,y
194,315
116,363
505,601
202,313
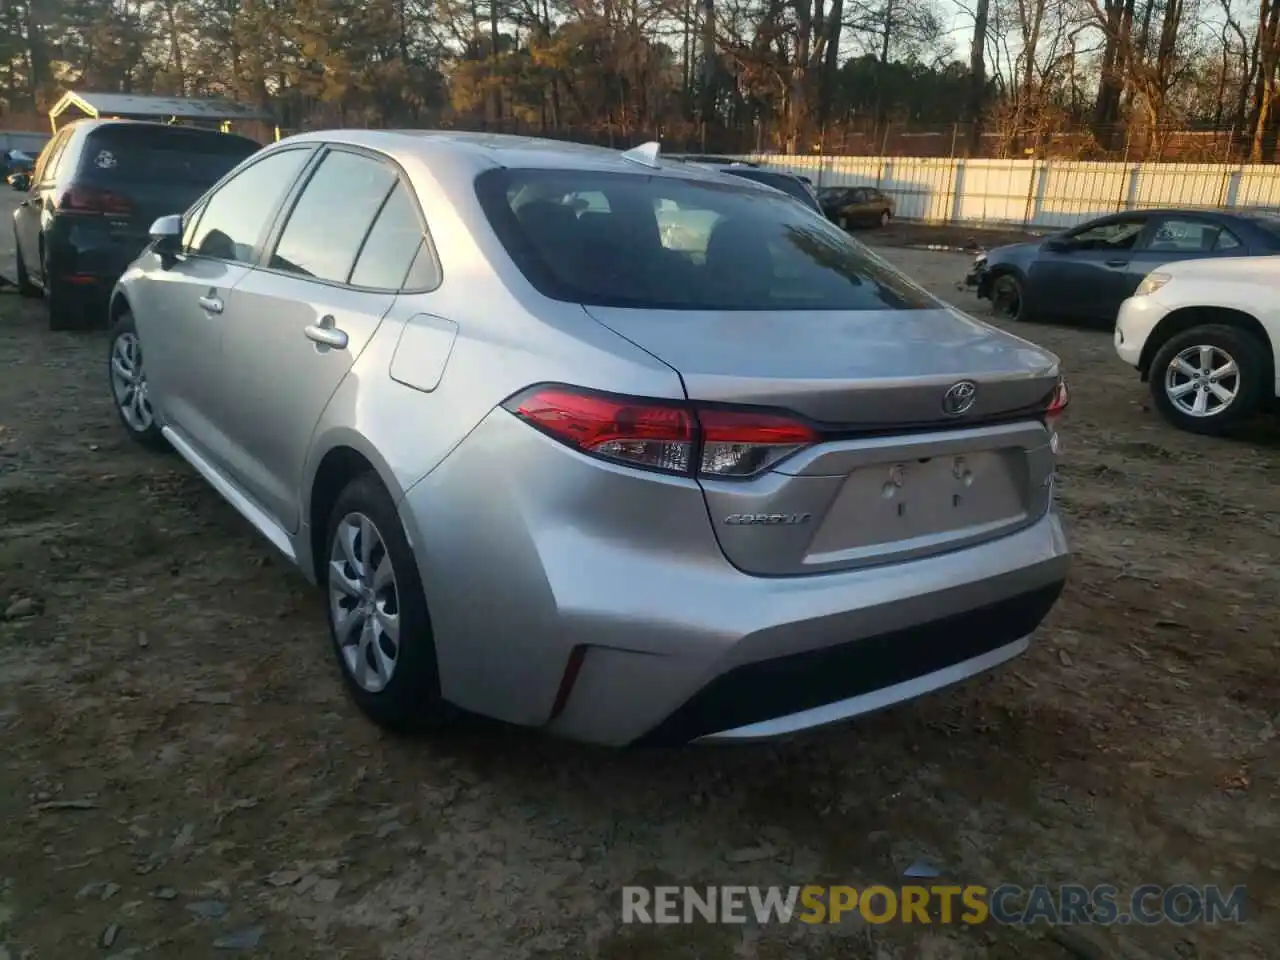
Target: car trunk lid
x,y
906,466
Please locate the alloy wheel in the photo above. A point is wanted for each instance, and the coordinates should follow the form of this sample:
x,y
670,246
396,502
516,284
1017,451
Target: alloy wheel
x,y
129,383
364,603
1202,381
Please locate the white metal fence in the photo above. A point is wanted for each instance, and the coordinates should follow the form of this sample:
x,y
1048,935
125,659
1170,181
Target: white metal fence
x,y
1038,193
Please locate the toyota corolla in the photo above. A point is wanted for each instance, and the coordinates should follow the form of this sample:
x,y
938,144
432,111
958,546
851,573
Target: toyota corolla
x,y
544,466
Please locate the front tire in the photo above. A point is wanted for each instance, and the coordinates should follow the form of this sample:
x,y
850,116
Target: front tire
x,y
377,612
1007,298
1208,379
129,389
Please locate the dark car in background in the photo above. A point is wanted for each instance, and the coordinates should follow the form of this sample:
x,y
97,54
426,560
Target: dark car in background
x,y
1085,273
15,162
96,188
798,187
856,206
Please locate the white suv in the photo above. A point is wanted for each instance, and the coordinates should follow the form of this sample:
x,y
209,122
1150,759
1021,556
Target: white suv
x,y
1203,333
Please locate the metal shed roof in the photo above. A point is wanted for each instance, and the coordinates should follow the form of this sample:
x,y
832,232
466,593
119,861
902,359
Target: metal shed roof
x,y
131,105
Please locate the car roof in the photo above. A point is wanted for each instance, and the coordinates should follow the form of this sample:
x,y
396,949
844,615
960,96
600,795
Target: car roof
x,y
482,151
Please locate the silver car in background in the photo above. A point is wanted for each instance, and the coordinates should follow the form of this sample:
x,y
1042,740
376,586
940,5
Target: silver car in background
x,y
547,468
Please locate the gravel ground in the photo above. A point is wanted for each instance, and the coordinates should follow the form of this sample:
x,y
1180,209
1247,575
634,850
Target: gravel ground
x,y
181,766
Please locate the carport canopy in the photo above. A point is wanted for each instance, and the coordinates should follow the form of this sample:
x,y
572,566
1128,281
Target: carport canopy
x,y
130,106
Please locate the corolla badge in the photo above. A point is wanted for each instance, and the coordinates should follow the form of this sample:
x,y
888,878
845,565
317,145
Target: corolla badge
x,y
768,519
959,398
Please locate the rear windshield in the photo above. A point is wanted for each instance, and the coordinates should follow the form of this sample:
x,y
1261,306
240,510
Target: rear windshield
x,y
631,240
156,154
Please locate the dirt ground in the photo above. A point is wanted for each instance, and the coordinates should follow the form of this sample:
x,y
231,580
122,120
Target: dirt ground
x,y
181,766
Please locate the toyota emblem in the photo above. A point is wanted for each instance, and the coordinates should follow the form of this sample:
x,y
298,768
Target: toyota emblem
x,y
959,398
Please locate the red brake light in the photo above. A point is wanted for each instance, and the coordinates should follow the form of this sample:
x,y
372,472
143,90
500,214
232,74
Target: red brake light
x,y
78,199
645,433
1059,399
662,435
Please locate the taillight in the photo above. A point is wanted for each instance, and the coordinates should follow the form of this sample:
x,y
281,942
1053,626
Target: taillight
x,y
663,435
1058,401
740,443
79,199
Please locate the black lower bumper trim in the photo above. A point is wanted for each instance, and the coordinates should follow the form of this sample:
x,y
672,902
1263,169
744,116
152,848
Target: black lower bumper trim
x,y
775,688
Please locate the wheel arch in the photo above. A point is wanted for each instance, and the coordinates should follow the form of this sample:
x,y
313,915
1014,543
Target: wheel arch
x,y
1188,318
119,304
345,457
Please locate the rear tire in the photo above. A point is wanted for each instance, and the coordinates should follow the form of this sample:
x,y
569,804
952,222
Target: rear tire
x,y
1007,300
25,287
371,583
885,217
1235,360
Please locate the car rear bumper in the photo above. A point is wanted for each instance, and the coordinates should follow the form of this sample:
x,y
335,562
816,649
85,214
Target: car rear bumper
x,y
615,618
90,254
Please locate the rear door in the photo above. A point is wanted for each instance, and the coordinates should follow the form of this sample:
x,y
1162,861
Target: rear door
x,y
1170,238
301,319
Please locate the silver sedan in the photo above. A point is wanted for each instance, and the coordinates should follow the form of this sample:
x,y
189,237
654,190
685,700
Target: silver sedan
x,y
629,450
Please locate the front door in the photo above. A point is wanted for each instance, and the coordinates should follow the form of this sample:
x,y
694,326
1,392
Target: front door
x,y
301,320
185,306
1082,281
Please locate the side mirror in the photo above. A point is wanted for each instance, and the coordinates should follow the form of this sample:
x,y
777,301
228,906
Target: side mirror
x,y
20,181
166,235
1058,244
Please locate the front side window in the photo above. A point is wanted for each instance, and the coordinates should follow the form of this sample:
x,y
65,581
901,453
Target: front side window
x,y
1115,235
328,223
673,244
237,213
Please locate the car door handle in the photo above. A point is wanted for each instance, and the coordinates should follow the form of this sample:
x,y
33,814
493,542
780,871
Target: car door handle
x,y
325,334
1117,263
211,304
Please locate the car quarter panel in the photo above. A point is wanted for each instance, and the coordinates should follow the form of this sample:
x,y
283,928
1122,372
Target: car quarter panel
x,y
508,337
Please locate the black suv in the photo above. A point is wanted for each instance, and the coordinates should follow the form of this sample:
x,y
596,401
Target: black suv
x,y
96,188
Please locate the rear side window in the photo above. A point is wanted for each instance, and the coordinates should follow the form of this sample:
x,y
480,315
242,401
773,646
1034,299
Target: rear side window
x,y
391,246
237,212
674,244
154,154
328,223
1177,235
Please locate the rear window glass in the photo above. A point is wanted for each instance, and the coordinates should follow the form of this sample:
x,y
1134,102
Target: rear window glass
x,y
160,155
674,244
